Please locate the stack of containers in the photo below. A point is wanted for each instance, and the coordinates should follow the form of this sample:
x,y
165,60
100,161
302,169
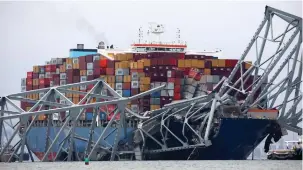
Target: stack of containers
x,y
185,76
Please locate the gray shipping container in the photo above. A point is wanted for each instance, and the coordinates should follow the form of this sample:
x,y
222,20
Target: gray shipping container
x,y
47,75
118,86
170,86
57,70
59,61
75,60
190,89
96,57
89,72
209,78
89,66
51,83
134,84
69,66
62,82
83,78
203,79
62,76
125,71
54,60
83,87
216,79
23,82
170,93
164,93
152,85
135,76
23,88
119,79
41,76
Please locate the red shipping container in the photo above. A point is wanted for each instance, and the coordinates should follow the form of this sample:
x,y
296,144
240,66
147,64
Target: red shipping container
x,y
134,91
173,61
44,81
76,79
177,96
50,68
89,58
96,64
35,75
29,75
90,77
160,61
90,110
110,64
140,70
82,60
97,71
181,56
166,61
55,76
103,63
102,71
126,86
177,89
172,80
43,86
29,81
230,63
110,71
89,87
83,65
154,62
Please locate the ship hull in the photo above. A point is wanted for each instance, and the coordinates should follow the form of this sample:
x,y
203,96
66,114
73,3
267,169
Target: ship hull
x,y
235,140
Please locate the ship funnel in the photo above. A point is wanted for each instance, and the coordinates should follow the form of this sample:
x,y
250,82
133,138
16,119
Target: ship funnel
x,y
80,46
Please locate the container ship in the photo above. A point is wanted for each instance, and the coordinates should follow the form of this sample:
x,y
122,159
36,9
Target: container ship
x,y
147,64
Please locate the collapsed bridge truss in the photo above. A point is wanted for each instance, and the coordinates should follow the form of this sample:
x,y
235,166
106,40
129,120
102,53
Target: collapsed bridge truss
x,y
277,80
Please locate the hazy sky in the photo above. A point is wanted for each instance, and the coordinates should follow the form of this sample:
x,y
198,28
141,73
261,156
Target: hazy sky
x,y
34,32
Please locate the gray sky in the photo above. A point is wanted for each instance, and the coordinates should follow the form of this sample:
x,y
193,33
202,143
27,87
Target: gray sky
x,y
34,32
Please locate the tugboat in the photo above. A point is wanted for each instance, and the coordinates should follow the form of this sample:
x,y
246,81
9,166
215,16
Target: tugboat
x,y
293,151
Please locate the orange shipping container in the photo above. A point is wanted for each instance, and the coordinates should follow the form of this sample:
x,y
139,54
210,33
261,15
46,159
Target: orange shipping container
x,y
214,63
112,85
194,63
76,100
181,63
145,80
207,71
111,79
200,64
117,65
27,109
140,65
154,107
129,56
104,78
187,63
133,65
221,63
63,68
248,64
127,79
144,87
42,117
36,69
76,66
69,61
146,62
83,72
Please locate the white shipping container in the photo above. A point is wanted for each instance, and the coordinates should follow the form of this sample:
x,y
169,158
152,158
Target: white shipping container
x,y
209,78
170,93
83,78
152,85
135,76
89,72
119,92
203,79
55,116
83,87
134,108
157,84
96,57
23,88
135,84
170,86
41,76
47,75
104,92
190,89
54,61
59,61
119,72
216,79
164,93
89,66
62,82
62,101
62,76
75,60
23,82
41,95
51,83
125,71
119,86
57,70
69,66
168,73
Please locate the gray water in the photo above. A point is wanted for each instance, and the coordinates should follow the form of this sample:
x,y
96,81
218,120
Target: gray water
x,y
158,165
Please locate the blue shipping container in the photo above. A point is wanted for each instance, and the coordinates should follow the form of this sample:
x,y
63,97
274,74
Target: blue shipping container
x,y
156,94
89,116
102,115
126,93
